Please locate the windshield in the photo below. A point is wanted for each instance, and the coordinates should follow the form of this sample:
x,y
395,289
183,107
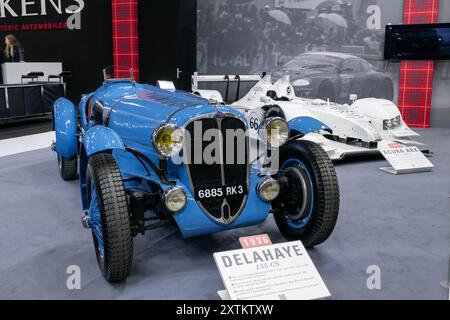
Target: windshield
x,y
311,62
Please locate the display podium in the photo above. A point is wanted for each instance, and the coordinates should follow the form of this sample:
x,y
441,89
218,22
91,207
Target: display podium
x,y
21,97
13,72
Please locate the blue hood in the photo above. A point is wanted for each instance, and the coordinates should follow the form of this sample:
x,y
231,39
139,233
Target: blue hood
x,y
135,110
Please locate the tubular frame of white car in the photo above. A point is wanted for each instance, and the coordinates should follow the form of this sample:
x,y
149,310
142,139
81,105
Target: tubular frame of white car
x,y
359,129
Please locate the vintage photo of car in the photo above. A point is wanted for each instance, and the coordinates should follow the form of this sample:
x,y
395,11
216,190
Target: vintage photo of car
x,y
324,46
334,76
342,130
123,141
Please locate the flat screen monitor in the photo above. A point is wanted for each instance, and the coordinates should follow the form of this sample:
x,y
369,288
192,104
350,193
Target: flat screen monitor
x,y
417,42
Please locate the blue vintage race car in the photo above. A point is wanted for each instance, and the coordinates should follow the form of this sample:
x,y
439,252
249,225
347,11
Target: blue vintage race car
x,y
135,149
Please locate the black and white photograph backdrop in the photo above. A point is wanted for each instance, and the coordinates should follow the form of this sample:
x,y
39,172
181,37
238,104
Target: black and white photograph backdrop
x,y
330,48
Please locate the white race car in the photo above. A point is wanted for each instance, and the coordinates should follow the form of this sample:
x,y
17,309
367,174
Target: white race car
x,y
342,130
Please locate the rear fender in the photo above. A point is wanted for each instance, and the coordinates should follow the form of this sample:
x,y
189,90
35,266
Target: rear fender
x,y
65,125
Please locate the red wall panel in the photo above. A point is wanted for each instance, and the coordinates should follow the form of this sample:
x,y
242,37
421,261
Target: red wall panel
x,y
125,38
416,77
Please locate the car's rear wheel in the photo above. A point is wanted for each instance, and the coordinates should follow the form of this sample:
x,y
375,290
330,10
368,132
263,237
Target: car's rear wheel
x,y
308,205
326,92
68,167
109,217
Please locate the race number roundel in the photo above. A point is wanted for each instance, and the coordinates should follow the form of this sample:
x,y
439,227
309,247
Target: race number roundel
x,y
255,122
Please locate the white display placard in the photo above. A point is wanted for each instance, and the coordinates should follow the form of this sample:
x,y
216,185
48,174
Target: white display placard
x,y
404,159
281,271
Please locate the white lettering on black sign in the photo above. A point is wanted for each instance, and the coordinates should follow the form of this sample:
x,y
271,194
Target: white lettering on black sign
x,y
28,8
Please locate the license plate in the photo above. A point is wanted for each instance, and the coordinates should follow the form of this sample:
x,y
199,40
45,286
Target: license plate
x,y
220,192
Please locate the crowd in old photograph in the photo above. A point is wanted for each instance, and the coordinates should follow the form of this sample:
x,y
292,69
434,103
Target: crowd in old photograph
x,y
230,30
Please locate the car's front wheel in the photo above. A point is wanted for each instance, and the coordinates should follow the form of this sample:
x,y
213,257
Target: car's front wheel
x,y
308,205
109,217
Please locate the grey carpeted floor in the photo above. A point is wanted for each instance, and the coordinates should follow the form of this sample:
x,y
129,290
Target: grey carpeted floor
x,y
399,223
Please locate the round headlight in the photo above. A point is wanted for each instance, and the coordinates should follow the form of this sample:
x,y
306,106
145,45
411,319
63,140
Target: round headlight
x,y
175,199
275,131
167,139
269,189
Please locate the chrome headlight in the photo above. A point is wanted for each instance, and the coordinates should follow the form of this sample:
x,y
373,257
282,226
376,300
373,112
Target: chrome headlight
x,y
275,131
269,189
393,123
175,199
167,139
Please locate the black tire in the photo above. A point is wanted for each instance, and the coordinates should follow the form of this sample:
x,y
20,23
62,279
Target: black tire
x,y
116,263
323,210
68,168
326,91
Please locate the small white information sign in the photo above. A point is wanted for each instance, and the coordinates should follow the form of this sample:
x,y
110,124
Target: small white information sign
x,y
281,271
404,159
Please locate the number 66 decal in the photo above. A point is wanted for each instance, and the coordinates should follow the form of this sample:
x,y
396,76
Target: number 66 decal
x,y
254,122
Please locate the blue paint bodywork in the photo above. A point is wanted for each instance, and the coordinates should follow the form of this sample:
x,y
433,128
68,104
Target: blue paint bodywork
x,y
255,212
305,125
130,113
65,125
99,139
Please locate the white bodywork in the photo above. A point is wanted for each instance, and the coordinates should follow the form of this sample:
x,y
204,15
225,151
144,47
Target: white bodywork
x,y
357,128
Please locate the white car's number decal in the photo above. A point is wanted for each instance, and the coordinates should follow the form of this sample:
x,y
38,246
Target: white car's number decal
x,y
254,122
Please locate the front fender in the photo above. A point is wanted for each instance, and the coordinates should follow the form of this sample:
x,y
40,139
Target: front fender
x,y
65,125
305,125
99,138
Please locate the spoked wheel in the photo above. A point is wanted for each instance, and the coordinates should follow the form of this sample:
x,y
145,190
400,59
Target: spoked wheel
x,y
95,223
109,218
68,168
308,205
